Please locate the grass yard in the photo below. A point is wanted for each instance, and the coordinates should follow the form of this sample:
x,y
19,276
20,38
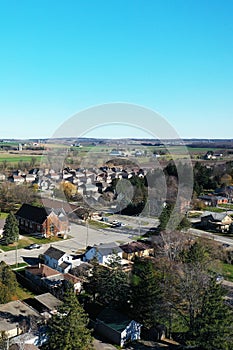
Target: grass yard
x,y
215,209
16,158
22,293
97,224
3,215
226,206
19,266
227,271
27,240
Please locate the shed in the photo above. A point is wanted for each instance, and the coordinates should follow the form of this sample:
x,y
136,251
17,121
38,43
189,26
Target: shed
x,y
116,327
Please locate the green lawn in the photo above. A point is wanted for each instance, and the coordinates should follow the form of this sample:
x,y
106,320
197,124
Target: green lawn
x,y
226,206
97,224
16,158
22,293
3,215
27,240
227,271
19,266
214,209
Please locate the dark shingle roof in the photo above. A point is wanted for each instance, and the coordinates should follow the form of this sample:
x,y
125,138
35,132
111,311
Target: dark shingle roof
x,y
134,247
54,253
32,213
64,265
114,319
39,214
108,248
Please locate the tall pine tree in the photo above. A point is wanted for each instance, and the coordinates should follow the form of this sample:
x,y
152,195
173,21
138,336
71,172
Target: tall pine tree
x,y
10,230
146,293
213,325
67,330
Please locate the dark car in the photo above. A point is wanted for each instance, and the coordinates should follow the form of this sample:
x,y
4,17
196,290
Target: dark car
x,y
33,246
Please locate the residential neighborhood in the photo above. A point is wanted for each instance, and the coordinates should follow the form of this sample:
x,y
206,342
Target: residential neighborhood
x,y
110,260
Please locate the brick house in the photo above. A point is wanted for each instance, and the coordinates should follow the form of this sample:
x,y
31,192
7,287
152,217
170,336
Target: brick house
x,y
47,221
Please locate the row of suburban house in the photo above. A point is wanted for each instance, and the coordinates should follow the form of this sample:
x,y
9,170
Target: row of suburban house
x,y
222,195
47,177
56,268
49,276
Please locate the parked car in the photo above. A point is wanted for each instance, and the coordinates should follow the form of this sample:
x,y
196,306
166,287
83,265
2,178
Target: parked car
x,y
33,246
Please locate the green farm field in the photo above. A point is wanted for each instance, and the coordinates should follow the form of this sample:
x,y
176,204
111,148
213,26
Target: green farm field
x,y
13,158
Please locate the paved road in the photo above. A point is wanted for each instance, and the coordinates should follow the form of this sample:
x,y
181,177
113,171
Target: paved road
x,y
209,235
82,236
100,345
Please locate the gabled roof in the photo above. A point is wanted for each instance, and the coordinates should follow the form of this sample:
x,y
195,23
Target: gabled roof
x,y
108,248
42,270
215,216
35,214
56,204
114,319
54,253
71,278
134,247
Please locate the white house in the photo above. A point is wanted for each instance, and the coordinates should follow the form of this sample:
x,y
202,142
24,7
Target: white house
x,y
30,178
57,259
103,252
117,327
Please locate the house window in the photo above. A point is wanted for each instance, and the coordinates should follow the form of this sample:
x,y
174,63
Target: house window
x,y
52,228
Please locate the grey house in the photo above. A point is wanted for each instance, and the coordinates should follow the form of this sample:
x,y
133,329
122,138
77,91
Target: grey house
x,y
103,252
216,221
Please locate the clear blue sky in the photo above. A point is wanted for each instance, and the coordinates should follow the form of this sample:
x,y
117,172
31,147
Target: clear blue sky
x,y
59,57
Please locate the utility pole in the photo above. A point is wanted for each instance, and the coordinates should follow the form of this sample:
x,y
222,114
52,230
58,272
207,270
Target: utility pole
x,y
87,227
16,254
139,227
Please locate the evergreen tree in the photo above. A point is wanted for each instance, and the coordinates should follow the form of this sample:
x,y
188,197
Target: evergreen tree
x,y
146,294
4,294
95,284
213,324
7,277
109,285
165,216
10,230
67,330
